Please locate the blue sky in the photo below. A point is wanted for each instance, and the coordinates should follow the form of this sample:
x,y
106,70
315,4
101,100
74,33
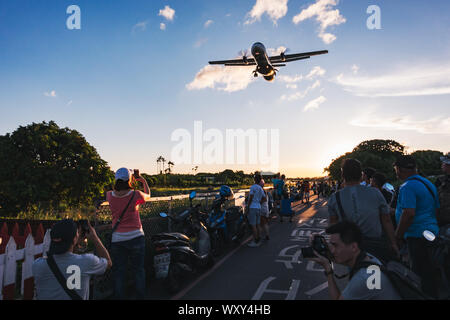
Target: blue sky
x,y
126,84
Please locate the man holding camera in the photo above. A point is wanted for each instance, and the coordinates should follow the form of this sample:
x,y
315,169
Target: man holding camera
x,y
368,209
345,248
64,275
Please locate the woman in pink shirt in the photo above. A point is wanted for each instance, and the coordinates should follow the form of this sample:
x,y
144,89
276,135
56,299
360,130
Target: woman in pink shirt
x,y
128,240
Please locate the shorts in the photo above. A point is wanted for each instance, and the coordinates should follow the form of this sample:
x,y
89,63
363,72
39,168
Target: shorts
x,y
254,216
265,213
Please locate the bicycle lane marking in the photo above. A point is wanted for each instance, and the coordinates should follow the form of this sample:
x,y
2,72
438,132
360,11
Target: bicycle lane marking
x,y
306,225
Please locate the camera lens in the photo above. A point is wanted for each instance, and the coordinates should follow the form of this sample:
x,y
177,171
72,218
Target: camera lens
x,y
308,252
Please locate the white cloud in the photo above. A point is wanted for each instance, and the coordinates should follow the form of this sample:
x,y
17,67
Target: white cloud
x,y
409,81
208,23
322,11
300,94
290,79
162,26
327,37
316,72
167,13
140,25
355,69
314,104
50,94
277,51
228,79
315,84
291,83
200,42
275,9
294,96
436,125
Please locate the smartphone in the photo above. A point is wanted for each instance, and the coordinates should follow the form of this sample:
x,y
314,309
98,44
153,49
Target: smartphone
x,y
136,173
84,226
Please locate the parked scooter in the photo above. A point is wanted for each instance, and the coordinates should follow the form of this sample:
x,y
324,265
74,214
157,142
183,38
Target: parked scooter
x,y
441,255
226,226
177,254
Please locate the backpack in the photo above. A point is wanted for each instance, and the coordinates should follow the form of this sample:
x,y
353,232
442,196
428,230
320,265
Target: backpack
x,y
406,282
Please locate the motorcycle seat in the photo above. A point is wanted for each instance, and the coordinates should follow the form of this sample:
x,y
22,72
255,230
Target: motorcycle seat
x,y
169,236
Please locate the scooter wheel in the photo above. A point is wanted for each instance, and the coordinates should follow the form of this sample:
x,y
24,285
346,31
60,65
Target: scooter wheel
x,y
210,262
216,245
172,282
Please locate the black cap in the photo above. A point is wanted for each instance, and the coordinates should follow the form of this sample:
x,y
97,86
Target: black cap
x,y
62,235
405,161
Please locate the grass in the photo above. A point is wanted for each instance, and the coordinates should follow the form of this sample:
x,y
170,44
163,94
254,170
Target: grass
x,y
169,191
104,215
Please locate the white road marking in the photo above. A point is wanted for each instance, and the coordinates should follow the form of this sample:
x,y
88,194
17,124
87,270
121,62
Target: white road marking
x,y
291,292
317,289
294,257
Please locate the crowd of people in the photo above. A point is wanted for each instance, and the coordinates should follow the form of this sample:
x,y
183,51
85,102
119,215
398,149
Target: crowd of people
x,y
371,224
368,223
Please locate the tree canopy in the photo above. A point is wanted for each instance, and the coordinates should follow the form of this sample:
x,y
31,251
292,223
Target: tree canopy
x,y
44,167
428,162
381,154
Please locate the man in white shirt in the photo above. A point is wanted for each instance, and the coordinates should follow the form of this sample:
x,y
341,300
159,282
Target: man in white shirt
x,y
256,198
65,236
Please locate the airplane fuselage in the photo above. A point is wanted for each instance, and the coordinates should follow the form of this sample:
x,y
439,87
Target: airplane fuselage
x,y
265,65
262,61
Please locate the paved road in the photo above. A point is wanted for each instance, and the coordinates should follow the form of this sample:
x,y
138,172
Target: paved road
x,y
273,271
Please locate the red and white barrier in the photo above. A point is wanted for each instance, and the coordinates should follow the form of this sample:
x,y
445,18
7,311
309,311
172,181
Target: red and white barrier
x,y
15,248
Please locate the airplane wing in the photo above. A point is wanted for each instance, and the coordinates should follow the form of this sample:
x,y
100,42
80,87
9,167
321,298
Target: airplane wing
x,y
295,56
236,62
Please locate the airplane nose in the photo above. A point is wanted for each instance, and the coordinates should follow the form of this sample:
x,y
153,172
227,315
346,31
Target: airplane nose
x,y
257,48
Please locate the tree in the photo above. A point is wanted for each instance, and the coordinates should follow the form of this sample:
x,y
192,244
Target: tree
x,y
380,147
160,159
226,176
44,167
428,162
163,160
170,164
378,154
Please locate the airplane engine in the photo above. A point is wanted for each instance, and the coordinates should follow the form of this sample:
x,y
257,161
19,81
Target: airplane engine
x,y
269,78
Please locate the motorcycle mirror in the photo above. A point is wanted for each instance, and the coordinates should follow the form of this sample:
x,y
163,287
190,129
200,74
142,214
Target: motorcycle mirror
x,y
163,214
429,235
192,195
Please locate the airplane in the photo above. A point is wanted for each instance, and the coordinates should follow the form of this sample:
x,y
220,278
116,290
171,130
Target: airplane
x,y
265,65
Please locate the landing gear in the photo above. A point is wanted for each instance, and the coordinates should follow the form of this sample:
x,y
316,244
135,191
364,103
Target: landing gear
x,y
255,74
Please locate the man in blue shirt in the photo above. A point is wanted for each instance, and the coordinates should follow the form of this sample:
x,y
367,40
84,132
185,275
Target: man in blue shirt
x,y
416,212
278,186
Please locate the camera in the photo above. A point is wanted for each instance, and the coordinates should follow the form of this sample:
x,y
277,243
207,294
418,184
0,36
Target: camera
x,y
83,224
319,244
